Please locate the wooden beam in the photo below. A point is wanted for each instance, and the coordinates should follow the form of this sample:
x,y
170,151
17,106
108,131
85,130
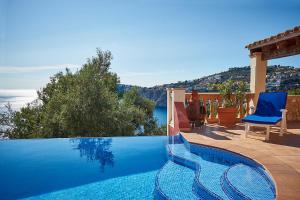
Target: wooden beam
x,y
298,40
282,44
282,52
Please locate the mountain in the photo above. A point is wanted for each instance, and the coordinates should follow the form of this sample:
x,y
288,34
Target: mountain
x,y
279,78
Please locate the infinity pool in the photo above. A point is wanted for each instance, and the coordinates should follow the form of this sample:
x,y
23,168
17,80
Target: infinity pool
x,y
83,168
159,168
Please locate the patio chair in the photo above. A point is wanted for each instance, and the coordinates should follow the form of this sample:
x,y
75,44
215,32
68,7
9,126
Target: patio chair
x,y
270,111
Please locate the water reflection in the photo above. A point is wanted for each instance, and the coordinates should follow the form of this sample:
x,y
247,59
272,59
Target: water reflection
x,y
95,149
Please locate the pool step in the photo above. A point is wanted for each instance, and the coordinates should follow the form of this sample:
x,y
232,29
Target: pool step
x,y
204,173
208,174
175,182
252,185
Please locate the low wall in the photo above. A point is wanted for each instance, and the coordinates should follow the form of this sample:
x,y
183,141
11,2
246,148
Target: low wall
x,y
181,122
293,107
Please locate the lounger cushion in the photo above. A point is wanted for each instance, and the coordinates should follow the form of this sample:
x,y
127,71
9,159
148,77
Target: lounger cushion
x,y
270,103
256,119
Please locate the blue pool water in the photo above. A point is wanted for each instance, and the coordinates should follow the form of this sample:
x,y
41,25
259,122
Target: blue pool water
x,y
87,168
127,168
160,114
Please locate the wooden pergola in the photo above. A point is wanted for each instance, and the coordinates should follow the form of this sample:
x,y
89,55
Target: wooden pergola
x,y
281,45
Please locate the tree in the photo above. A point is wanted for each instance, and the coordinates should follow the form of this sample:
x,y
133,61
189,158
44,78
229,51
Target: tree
x,y
85,103
145,106
6,120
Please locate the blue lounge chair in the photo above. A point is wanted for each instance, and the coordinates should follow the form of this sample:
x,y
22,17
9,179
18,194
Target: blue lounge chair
x,y
270,111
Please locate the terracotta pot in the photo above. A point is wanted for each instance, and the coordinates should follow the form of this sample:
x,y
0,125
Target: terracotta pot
x,y
227,116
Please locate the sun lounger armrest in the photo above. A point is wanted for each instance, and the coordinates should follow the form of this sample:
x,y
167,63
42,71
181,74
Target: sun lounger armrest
x,y
283,111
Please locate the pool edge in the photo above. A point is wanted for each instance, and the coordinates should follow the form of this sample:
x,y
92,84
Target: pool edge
x,y
277,194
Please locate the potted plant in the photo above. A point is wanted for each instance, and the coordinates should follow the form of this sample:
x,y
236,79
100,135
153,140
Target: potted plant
x,y
233,94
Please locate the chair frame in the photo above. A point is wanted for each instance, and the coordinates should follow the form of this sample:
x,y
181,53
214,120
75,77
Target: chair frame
x,y
283,125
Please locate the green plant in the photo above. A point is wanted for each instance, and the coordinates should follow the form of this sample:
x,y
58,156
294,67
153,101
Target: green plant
x,y
240,91
84,103
233,92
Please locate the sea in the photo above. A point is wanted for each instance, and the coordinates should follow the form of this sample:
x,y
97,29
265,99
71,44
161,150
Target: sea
x,y
160,114
19,98
16,98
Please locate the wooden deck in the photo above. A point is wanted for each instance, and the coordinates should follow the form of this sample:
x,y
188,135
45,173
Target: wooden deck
x,y
280,156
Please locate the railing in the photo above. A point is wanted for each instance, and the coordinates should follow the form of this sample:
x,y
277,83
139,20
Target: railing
x,y
211,102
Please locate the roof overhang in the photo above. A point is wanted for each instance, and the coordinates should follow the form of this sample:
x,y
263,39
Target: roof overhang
x,y
281,45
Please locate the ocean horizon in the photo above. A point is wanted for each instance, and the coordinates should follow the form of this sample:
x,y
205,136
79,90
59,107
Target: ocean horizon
x,y
17,98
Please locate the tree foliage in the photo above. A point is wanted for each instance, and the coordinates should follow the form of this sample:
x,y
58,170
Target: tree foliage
x,y
85,103
145,106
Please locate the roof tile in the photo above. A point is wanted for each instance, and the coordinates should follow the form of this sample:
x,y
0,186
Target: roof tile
x,y
287,33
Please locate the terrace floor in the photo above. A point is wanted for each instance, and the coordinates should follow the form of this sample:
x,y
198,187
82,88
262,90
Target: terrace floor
x,y
280,156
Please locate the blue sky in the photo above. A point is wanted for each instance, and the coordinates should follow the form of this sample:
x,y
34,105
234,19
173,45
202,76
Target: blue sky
x,y
153,42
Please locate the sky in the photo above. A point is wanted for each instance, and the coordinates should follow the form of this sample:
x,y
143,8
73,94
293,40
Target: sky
x,y
152,41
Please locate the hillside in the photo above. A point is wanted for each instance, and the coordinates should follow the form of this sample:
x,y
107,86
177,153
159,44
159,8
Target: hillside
x,y
279,78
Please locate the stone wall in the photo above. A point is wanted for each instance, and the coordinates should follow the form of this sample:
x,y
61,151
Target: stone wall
x,y
293,107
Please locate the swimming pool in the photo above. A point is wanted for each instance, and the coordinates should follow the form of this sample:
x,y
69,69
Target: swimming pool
x,y
83,168
127,168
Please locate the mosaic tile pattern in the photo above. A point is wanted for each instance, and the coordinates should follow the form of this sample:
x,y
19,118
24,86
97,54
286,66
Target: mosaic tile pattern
x,y
120,188
211,172
251,185
176,181
212,166
201,191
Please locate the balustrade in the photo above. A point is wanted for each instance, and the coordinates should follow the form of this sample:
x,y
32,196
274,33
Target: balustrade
x,y
211,102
